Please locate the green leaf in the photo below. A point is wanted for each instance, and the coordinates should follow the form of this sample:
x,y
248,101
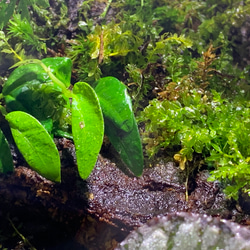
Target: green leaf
x,y
198,146
115,102
87,127
216,147
43,3
35,144
7,12
61,67
23,8
24,91
1,43
6,161
48,125
7,51
120,124
127,144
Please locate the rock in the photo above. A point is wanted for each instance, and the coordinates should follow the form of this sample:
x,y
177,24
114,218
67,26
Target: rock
x,y
129,202
244,202
188,231
73,12
101,211
240,38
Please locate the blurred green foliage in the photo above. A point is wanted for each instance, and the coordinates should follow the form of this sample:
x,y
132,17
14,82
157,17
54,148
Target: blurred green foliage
x,y
29,27
7,9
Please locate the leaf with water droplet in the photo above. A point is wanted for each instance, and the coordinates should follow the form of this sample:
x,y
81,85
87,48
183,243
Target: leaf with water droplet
x,y
35,144
87,127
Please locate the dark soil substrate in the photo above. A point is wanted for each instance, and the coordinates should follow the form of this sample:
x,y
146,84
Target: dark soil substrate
x,y
101,211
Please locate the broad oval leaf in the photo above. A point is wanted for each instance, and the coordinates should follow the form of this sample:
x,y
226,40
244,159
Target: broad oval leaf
x,y
30,89
127,144
59,66
23,74
35,144
6,161
120,124
115,102
87,127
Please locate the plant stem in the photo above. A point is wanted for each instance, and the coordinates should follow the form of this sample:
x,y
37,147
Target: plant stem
x,y
65,91
12,50
26,241
186,187
106,9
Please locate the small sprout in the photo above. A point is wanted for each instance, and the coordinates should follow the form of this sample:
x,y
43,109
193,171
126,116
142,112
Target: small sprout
x,y
181,159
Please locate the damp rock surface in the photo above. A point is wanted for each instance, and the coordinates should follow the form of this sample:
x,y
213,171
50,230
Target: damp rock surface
x,y
188,231
100,212
128,202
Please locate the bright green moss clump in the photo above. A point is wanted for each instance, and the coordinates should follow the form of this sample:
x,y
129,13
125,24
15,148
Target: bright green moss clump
x,y
202,124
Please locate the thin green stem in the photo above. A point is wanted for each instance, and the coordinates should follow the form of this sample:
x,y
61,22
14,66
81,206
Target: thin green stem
x,y
26,241
13,51
106,9
65,91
